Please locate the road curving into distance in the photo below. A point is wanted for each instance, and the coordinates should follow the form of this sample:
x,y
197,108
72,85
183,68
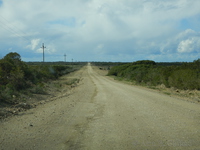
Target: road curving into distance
x,y
104,114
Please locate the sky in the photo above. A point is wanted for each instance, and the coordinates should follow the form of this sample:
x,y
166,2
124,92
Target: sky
x,y
101,30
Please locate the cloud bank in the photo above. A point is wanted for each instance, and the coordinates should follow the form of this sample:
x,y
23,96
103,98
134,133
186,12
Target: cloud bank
x,y
101,30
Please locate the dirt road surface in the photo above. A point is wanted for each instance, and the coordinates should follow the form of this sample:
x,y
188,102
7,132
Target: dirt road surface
x,y
104,114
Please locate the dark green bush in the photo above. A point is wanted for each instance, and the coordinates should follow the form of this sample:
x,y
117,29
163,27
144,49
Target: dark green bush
x,y
185,76
16,75
184,79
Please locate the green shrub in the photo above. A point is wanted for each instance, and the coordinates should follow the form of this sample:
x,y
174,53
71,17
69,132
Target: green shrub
x,y
16,75
184,79
185,76
38,89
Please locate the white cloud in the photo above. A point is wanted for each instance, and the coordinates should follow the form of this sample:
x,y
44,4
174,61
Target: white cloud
x,y
149,27
189,41
186,46
34,44
187,33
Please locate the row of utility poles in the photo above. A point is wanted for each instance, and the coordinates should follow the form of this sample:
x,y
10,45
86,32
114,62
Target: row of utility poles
x,y
43,47
65,58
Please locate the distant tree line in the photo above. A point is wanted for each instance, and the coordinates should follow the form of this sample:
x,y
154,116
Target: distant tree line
x,y
105,64
57,63
184,76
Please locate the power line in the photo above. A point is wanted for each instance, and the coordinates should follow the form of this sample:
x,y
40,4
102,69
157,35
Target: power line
x,y
7,26
12,25
13,32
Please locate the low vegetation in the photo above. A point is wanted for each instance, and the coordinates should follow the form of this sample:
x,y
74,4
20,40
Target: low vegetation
x,y
17,77
185,76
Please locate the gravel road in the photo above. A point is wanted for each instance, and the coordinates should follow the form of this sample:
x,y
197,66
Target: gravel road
x,y
104,114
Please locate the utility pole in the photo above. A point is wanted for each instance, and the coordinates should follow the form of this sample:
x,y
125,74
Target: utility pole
x,y
43,47
65,57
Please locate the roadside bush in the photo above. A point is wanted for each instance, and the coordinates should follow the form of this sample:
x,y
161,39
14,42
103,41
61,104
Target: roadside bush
x,y
16,75
185,76
184,79
6,93
153,77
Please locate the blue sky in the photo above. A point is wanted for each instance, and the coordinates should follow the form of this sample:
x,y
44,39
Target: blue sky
x,y
101,30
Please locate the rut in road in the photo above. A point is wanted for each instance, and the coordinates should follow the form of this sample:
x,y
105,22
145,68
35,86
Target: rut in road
x,y
103,114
